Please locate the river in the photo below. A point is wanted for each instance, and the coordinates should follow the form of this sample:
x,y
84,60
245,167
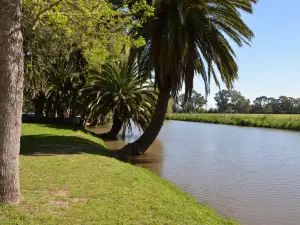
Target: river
x,y
249,174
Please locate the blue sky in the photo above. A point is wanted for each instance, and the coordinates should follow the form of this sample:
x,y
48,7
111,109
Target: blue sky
x,y
271,66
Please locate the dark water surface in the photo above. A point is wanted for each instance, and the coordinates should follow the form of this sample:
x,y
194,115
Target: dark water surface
x,y
249,174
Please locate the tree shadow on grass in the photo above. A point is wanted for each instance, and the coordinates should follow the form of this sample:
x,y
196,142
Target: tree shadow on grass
x,y
63,126
78,128
60,145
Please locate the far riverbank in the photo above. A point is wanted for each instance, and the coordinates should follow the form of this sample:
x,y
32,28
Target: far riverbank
x,y
277,121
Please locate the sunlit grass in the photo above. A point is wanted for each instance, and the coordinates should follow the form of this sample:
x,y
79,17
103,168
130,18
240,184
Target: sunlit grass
x,y
65,179
279,121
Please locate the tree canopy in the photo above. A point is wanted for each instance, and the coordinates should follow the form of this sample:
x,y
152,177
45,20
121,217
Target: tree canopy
x,y
192,105
231,101
185,38
51,30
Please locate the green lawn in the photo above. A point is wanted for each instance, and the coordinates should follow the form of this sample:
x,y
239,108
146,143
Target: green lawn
x,y
66,178
282,121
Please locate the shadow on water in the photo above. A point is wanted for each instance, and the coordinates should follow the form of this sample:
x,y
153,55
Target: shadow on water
x,y
152,159
58,145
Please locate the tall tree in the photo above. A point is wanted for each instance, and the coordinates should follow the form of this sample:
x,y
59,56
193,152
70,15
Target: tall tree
x,y
273,106
11,94
185,37
222,100
191,105
232,101
238,103
260,104
286,104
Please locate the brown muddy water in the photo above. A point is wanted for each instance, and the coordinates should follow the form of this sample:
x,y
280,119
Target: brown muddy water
x,y
249,174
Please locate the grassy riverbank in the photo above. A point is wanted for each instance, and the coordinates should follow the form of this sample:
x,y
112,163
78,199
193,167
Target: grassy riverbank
x,y
286,121
66,179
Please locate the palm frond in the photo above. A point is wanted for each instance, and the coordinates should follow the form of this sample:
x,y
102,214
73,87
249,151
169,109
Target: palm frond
x,y
188,37
121,90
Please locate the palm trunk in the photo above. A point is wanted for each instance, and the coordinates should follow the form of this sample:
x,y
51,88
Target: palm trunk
x,y
39,104
115,129
141,145
11,97
82,119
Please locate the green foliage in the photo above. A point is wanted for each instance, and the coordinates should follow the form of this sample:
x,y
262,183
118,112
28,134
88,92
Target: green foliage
x,y
98,29
64,83
58,27
289,122
190,36
193,104
231,101
92,189
170,106
119,89
281,105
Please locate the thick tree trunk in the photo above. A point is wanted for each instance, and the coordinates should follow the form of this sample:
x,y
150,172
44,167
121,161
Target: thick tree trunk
x,y
147,138
60,113
82,120
11,96
115,129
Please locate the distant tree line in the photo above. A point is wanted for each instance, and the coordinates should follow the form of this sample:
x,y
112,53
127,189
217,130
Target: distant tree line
x,y
232,101
282,105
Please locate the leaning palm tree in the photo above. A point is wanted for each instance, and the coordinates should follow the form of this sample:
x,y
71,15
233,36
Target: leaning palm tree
x,y
119,90
184,38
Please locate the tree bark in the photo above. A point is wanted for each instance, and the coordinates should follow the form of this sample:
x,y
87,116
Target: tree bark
x,y
141,145
115,129
11,97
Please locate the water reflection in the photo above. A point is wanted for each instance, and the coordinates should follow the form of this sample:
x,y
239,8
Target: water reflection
x,y
249,174
152,159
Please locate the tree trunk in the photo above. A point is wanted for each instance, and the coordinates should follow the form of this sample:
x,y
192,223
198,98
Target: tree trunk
x,y
147,138
95,122
60,112
115,129
82,120
39,105
11,97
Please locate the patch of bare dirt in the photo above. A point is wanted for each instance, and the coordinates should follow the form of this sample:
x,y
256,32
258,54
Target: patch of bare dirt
x,y
62,193
59,203
62,198
79,199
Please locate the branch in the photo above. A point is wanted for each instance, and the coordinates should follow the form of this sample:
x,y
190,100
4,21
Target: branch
x,y
42,12
76,7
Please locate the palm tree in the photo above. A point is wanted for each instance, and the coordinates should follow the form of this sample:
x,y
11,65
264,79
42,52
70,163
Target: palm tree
x,y
65,81
119,90
184,38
